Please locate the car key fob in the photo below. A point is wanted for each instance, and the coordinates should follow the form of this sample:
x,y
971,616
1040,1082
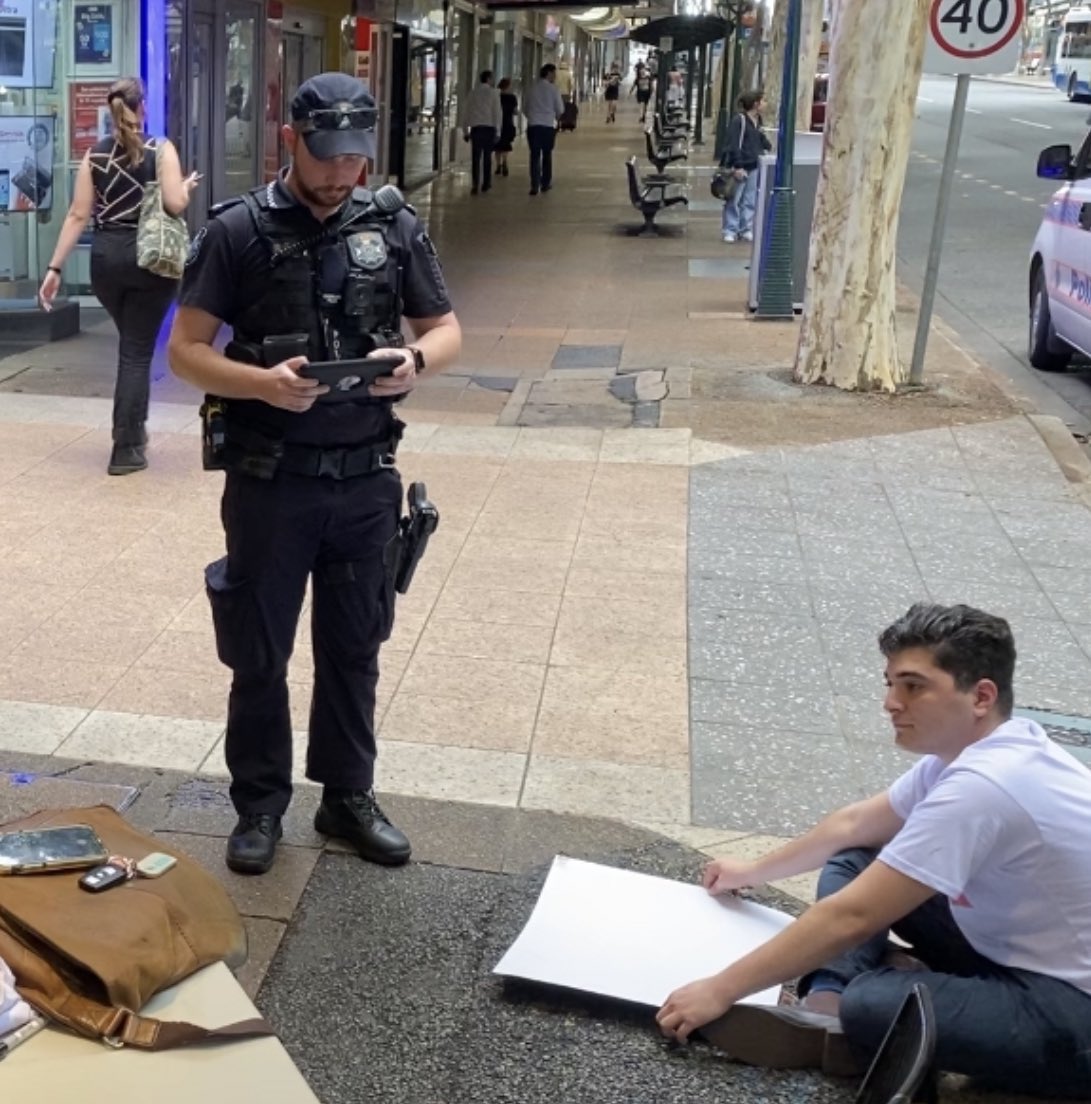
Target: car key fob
x,y
104,877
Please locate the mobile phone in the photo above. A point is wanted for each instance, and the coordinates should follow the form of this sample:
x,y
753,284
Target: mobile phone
x,y
69,847
349,380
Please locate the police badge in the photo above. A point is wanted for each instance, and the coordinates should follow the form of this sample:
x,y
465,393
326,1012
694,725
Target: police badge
x,y
368,249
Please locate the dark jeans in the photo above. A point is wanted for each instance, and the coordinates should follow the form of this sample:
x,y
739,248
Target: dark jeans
x,y
482,140
137,301
279,532
1011,1029
541,139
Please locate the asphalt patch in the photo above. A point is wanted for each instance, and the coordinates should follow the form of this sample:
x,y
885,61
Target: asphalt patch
x,y
382,991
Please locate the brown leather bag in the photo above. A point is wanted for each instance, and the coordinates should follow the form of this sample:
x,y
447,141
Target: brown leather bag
x,y
91,961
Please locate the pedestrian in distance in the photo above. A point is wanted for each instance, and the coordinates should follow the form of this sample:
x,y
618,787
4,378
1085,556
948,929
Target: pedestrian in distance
x,y
746,142
109,190
642,87
509,106
611,92
543,108
978,857
309,268
481,120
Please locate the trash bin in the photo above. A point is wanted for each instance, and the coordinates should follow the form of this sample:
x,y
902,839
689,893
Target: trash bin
x,y
808,161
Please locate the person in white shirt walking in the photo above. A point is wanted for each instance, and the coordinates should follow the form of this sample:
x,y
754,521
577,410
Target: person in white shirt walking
x,y
542,106
481,124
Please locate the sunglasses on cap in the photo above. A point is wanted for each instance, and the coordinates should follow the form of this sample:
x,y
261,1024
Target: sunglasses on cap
x,y
337,118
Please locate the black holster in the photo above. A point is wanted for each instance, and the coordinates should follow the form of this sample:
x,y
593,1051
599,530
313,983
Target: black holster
x,y
406,550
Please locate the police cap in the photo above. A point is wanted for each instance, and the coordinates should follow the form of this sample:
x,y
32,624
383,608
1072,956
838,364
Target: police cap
x,y
336,115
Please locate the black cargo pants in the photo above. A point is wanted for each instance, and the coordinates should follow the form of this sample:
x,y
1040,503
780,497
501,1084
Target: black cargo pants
x,y
279,532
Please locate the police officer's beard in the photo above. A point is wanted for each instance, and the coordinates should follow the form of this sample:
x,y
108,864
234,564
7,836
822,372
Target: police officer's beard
x,y
328,196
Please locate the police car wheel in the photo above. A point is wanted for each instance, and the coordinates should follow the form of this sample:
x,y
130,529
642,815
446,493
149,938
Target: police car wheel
x,y
1042,343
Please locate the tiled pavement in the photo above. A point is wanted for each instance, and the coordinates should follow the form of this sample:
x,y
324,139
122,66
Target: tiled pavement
x,y
629,623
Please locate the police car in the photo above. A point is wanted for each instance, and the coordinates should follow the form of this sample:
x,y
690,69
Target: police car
x,y
1060,262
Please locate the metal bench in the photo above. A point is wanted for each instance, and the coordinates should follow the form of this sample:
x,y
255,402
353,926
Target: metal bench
x,y
651,197
661,155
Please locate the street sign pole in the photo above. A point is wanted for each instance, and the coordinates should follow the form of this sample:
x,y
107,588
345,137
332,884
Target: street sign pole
x,y
939,227
964,37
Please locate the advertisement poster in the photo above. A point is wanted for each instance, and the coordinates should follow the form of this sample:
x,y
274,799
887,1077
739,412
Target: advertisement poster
x,y
93,34
26,161
88,116
28,43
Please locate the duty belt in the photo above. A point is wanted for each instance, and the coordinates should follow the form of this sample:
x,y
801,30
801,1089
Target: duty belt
x,y
338,463
254,454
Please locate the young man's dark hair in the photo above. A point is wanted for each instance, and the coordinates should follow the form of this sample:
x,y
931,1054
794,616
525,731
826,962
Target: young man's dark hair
x,y
965,642
486,76
546,70
749,100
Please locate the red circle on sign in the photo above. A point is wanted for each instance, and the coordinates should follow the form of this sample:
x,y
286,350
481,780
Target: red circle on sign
x,y
992,48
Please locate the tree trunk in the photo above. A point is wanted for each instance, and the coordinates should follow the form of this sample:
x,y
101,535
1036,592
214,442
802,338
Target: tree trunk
x,y
774,72
848,336
810,46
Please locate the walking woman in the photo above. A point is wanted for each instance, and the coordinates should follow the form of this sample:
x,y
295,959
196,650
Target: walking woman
x,y
745,144
613,90
109,187
509,105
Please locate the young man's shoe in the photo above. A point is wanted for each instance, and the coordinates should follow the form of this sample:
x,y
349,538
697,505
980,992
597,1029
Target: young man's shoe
x,y
784,1037
355,816
747,236
546,187
533,191
473,191
486,187
252,845
126,459
730,238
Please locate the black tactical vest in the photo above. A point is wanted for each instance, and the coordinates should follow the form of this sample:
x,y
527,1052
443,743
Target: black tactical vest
x,y
338,286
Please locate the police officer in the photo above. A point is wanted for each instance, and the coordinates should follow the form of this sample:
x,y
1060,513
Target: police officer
x,y
308,268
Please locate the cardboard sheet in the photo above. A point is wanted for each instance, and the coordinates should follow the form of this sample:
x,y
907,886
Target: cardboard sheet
x,y
633,936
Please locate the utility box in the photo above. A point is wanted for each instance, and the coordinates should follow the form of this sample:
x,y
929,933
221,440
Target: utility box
x,y
808,162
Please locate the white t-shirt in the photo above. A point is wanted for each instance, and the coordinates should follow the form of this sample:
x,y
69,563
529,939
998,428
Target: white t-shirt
x,y
1004,832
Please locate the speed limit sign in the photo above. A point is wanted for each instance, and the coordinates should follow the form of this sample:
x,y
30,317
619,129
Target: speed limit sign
x,y
973,36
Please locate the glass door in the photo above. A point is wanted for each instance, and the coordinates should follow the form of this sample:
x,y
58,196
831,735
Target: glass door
x,y
302,57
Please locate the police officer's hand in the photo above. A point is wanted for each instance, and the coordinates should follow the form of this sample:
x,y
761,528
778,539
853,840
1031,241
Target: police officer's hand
x,y
283,387
402,380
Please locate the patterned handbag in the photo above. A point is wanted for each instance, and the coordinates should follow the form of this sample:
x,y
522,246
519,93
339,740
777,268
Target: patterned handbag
x,y
162,239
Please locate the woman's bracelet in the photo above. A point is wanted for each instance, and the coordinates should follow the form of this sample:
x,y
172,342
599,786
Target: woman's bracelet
x,y
54,268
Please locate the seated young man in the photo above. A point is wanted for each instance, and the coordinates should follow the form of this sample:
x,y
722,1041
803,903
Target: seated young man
x,y
979,857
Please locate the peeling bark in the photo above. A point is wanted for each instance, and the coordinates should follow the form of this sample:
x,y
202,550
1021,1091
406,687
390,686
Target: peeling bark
x,y
810,46
848,337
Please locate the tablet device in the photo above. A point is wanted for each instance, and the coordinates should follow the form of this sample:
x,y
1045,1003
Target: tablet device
x,y
69,847
348,380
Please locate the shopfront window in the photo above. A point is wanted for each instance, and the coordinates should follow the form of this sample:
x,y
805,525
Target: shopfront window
x,y
241,128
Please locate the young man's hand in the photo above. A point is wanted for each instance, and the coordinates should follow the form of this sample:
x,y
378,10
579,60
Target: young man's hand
x,y
727,875
693,1006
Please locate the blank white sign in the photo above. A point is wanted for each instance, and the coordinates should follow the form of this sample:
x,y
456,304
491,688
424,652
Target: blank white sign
x,y
633,936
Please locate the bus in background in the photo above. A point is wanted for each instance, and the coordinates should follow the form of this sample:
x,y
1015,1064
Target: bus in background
x,y
1072,65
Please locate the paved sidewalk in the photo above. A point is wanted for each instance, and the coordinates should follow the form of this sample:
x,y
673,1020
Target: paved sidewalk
x,y
640,624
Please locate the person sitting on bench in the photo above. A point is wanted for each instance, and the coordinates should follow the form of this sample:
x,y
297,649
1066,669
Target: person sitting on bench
x,y
979,857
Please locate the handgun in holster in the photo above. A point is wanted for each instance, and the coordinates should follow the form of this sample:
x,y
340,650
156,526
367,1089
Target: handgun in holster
x,y
413,534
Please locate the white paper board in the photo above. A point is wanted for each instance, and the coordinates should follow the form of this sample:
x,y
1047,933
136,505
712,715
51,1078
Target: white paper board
x,y
633,936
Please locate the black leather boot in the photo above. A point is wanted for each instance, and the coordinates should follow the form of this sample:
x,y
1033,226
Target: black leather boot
x,y
355,816
126,459
252,846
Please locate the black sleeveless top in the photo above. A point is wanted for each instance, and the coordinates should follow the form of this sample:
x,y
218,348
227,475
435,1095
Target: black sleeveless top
x,y
119,186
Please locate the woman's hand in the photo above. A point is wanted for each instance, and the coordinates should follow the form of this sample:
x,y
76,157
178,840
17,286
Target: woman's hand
x,y
190,183
48,291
